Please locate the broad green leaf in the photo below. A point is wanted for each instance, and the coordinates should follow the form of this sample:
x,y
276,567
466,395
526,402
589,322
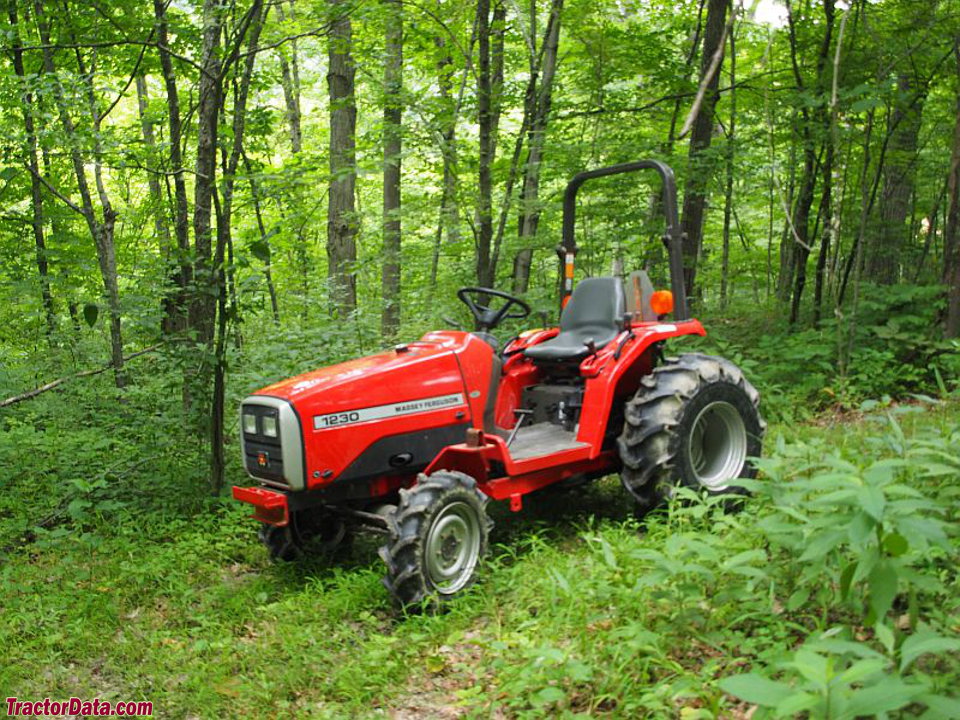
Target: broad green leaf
x,y
883,587
756,689
861,670
889,694
895,544
940,707
861,528
90,314
548,695
822,544
886,636
260,250
796,704
922,643
813,666
872,501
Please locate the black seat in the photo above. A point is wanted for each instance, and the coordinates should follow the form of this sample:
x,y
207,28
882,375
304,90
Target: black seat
x,y
594,312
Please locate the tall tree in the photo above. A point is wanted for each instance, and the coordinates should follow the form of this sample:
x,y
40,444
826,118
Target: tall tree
x,y
209,101
699,166
449,215
182,273
392,147
951,233
30,158
230,163
341,206
540,99
158,209
290,81
899,167
490,49
102,224
814,130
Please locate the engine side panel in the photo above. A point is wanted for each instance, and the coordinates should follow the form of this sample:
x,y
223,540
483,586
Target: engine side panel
x,y
349,412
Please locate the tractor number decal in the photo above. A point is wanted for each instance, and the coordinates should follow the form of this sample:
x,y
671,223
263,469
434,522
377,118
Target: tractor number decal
x,y
322,422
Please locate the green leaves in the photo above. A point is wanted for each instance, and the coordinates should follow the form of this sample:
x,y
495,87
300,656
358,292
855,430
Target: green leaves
x,y
90,314
756,689
923,643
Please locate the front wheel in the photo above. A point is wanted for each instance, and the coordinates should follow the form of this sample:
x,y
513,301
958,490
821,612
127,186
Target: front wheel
x,y
693,423
437,536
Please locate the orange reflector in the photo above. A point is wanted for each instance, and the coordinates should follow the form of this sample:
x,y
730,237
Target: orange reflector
x,y
661,302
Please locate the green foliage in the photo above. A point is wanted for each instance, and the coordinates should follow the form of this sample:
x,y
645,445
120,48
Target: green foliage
x,y
891,347
701,614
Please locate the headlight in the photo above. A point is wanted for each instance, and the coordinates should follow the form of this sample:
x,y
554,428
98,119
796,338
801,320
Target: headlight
x,y
250,424
270,425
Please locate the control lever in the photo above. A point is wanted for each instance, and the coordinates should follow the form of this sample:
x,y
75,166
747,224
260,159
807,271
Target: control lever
x,y
523,413
591,346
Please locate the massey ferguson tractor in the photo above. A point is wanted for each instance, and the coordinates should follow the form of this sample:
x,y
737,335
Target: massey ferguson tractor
x,y
413,442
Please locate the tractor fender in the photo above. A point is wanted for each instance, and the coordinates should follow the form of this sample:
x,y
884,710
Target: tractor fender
x,y
611,379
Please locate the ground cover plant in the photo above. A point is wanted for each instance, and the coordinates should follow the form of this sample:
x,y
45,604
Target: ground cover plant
x,y
832,593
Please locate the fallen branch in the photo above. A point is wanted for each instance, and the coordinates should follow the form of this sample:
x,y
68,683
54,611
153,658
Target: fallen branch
x,y
59,381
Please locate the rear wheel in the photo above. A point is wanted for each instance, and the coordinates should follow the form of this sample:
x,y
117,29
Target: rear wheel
x,y
438,535
694,422
311,533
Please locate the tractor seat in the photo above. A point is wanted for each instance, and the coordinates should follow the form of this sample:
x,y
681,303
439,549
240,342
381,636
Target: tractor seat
x,y
594,312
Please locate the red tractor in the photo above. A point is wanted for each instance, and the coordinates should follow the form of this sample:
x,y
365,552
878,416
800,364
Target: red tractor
x,y
414,442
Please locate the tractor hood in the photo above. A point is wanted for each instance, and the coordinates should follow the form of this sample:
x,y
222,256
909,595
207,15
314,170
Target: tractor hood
x,y
435,387
408,372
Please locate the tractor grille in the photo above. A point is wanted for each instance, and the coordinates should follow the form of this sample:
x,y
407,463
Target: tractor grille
x,y
263,456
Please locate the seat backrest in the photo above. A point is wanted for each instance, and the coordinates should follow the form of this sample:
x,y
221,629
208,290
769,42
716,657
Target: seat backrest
x,y
597,302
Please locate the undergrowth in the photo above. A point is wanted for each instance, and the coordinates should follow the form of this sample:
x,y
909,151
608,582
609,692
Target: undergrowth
x,y
892,346
833,593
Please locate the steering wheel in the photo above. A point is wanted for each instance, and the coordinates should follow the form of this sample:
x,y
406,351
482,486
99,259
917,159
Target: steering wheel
x,y
486,317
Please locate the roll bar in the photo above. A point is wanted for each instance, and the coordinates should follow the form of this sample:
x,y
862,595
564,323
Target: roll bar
x,y
672,236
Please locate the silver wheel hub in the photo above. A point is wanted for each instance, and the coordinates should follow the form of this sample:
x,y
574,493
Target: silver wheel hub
x,y
452,547
717,445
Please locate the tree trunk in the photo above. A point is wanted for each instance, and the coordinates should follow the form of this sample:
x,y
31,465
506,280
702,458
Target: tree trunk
x,y
699,168
813,123
181,278
883,264
392,146
101,229
728,181
490,82
224,244
36,192
832,138
449,216
160,226
265,254
203,301
290,81
341,212
951,233
531,209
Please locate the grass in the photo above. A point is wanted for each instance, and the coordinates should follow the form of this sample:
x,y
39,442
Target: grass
x,y
579,612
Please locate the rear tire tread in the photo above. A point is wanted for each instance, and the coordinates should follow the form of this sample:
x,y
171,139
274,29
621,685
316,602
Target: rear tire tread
x,y
649,443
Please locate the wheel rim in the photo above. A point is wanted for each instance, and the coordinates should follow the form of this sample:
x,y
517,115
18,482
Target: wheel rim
x,y
717,445
452,547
